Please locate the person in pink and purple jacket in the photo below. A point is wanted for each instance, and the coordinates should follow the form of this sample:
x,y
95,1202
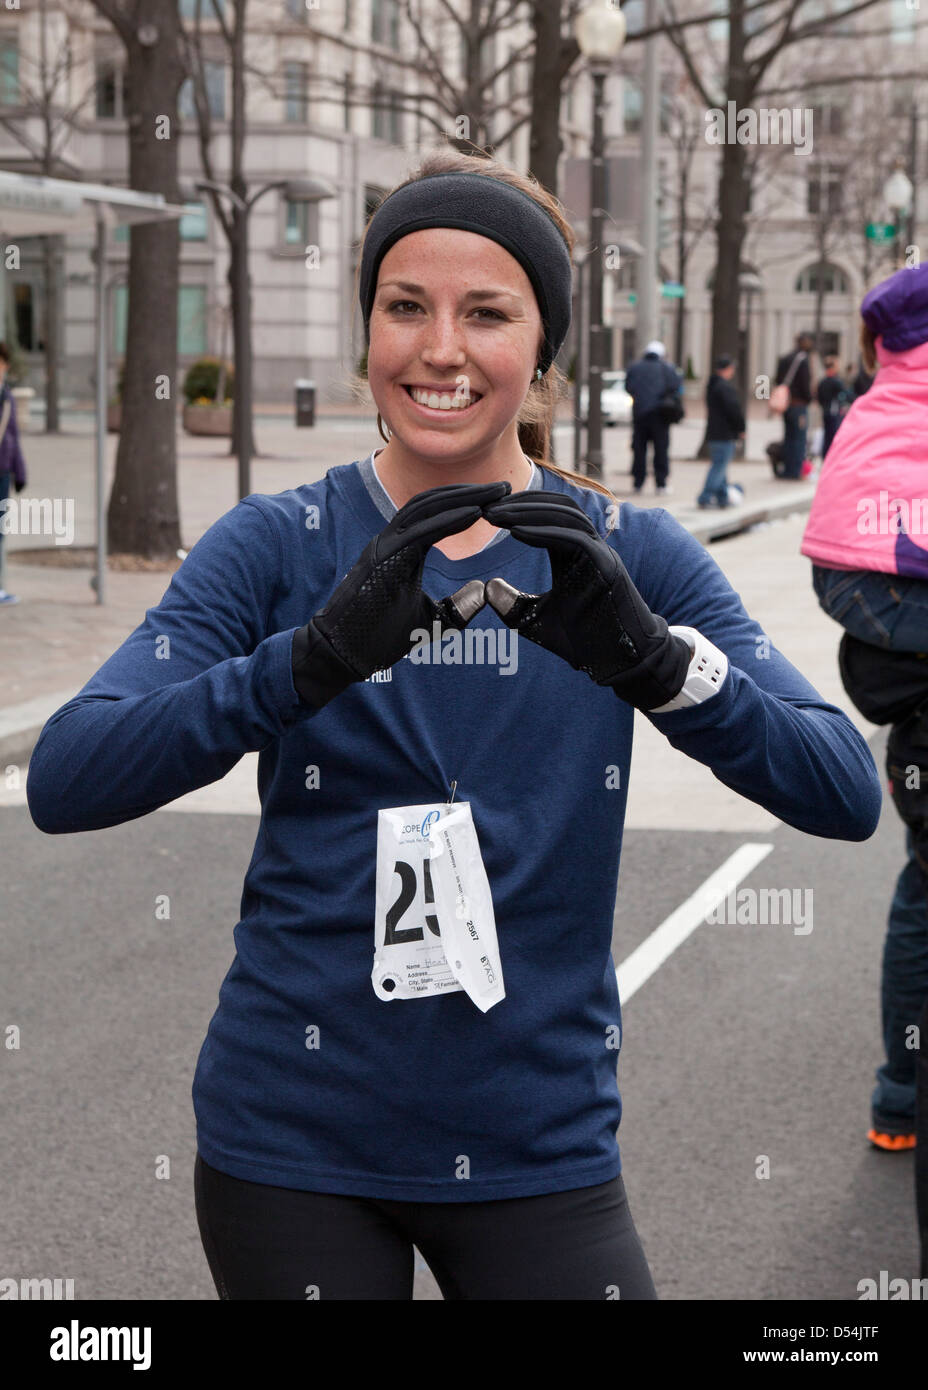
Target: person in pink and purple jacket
x,y
867,537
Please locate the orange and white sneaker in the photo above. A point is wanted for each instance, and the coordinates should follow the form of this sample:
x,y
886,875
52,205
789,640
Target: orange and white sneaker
x,y
891,1143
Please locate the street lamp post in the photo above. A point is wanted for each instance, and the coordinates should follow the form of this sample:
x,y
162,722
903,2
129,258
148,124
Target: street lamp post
x,y
750,285
897,195
297,191
600,31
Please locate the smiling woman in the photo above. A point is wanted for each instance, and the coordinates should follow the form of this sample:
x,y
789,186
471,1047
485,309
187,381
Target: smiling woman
x,y
415,1045
463,327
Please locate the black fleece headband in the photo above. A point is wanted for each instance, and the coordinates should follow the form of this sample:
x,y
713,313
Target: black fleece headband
x,y
485,205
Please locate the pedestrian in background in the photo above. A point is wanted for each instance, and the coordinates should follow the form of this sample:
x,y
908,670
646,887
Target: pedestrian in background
x,y
12,463
654,385
794,372
834,396
724,426
870,573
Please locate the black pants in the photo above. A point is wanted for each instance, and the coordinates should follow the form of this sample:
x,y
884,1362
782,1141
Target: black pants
x,y
653,428
279,1243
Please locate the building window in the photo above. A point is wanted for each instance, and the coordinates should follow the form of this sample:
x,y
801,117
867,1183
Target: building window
x,y
301,224
386,122
828,113
824,191
634,12
296,86
385,23
296,80
24,316
631,105
204,9
191,319
9,70
215,76
901,101
903,23
296,9
110,89
834,281
193,225
718,29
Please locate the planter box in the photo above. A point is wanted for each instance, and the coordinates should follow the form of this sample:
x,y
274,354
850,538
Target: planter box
x,y
22,395
208,419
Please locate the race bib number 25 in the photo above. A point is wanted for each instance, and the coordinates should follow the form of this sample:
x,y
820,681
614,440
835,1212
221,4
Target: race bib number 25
x,y
434,927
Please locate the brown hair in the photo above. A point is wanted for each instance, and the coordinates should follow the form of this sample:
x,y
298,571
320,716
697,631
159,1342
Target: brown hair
x,y
867,348
4,353
536,414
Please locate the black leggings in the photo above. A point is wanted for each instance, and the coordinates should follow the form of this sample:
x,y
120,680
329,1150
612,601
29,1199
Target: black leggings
x,y
279,1242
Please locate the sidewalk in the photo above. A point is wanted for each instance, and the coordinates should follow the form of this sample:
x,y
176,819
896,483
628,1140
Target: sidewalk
x,y
58,636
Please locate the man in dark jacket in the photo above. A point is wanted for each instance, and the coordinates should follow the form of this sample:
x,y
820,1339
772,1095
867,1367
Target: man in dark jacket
x,y
724,425
12,464
647,381
794,368
834,396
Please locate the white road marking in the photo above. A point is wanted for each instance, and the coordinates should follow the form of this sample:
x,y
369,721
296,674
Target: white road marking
x,y
638,968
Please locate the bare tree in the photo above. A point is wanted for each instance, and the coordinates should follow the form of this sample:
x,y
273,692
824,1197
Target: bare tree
x,y
41,104
752,47
143,516
685,132
233,218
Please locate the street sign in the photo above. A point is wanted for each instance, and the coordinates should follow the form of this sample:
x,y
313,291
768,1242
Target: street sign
x,y
880,231
671,289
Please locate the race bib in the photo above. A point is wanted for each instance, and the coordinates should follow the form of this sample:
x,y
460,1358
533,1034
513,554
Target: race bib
x,y
434,926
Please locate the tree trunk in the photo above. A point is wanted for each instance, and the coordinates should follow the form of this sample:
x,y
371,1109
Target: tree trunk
x,y
548,72
730,234
143,514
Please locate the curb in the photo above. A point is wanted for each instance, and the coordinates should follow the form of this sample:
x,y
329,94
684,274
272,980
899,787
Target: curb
x,y
20,725
706,527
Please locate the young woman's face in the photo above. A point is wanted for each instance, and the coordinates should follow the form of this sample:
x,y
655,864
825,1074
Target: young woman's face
x,y
456,315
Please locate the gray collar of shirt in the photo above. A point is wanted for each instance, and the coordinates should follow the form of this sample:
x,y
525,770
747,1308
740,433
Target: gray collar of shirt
x,y
382,501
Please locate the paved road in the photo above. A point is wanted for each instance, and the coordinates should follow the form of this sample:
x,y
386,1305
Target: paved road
x,y
748,1041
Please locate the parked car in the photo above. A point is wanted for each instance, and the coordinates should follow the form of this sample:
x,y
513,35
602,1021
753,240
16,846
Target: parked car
x,y
616,402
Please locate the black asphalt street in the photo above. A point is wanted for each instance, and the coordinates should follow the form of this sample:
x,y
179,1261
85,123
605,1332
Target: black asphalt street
x,y
751,1050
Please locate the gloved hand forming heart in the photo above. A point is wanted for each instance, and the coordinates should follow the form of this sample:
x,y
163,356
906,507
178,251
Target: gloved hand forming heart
x,y
368,622
592,616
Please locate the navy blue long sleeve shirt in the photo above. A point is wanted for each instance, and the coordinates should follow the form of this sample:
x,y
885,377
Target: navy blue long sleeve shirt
x,y
393,1094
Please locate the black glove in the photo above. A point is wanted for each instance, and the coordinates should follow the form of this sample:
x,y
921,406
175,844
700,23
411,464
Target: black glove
x,y
592,616
368,622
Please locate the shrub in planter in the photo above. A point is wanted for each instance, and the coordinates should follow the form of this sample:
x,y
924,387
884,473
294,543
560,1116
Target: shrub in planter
x,y
202,381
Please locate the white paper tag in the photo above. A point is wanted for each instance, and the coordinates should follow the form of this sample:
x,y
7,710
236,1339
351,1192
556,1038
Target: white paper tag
x,y
465,907
422,946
